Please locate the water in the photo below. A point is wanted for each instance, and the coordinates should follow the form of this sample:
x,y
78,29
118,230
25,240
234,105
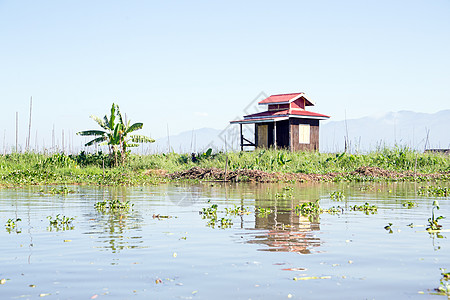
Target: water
x,y
136,255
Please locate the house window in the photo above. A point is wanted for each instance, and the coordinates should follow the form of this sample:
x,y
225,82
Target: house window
x,y
304,134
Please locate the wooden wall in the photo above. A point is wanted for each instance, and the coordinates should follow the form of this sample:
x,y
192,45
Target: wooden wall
x,y
294,135
287,135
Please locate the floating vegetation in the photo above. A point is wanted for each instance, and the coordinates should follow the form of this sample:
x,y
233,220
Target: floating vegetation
x,y
388,227
335,210
445,275
433,221
237,211
434,191
314,209
64,190
366,208
337,195
444,287
60,223
220,223
113,205
11,225
308,208
225,223
409,204
209,212
367,188
262,212
285,194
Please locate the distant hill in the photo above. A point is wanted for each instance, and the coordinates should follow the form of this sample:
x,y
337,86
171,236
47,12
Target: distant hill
x,y
404,128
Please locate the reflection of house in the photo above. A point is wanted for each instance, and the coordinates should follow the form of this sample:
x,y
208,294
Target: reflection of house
x,y
286,231
286,124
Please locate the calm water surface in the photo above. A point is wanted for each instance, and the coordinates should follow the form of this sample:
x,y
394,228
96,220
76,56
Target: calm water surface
x,y
136,255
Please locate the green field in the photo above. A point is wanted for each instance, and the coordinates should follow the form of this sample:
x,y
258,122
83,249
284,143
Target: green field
x,y
36,168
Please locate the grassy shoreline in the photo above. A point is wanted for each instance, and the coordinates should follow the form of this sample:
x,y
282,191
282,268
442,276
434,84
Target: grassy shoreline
x,y
94,169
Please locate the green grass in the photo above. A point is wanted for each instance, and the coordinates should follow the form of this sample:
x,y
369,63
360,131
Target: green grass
x,y
396,159
36,168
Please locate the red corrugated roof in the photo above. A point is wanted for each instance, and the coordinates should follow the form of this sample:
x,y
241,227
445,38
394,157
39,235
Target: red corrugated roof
x,y
282,98
286,112
268,116
258,120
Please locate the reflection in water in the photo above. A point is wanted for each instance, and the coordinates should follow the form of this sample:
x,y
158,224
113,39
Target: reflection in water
x,y
285,230
115,225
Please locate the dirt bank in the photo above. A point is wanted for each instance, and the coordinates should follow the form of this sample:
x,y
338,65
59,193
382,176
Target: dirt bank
x,y
244,175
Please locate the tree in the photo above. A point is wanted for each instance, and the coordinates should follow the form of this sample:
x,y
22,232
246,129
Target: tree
x,y
116,134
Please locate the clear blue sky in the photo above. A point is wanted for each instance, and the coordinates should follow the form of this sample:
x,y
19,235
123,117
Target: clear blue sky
x,y
194,64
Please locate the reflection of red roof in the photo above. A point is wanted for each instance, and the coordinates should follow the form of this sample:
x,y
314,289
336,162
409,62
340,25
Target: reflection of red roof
x,y
285,99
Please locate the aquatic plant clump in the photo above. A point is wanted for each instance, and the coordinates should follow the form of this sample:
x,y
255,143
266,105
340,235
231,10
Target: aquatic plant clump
x,y
337,195
237,211
366,208
434,191
433,225
113,205
60,222
444,286
308,208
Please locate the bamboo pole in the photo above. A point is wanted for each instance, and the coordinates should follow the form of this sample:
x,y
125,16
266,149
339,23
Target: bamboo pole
x,y
168,138
4,142
29,127
53,138
17,131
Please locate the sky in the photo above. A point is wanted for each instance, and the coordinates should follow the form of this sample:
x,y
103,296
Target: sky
x,y
183,65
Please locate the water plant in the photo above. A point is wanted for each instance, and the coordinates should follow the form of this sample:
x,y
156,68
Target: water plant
x,y
11,223
64,190
60,223
337,195
388,227
237,210
433,221
434,191
444,286
335,210
308,208
285,194
113,205
262,212
366,208
225,223
220,223
209,212
409,204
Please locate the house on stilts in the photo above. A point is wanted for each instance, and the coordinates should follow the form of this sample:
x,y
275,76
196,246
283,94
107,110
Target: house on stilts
x,y
286,124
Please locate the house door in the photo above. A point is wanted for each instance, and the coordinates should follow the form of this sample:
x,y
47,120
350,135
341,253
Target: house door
x,y
265,135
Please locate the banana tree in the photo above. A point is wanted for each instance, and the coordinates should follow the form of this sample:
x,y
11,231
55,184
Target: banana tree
x,y
115,134
126,139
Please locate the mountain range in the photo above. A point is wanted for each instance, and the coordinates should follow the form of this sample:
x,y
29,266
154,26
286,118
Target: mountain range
x,y
403,128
